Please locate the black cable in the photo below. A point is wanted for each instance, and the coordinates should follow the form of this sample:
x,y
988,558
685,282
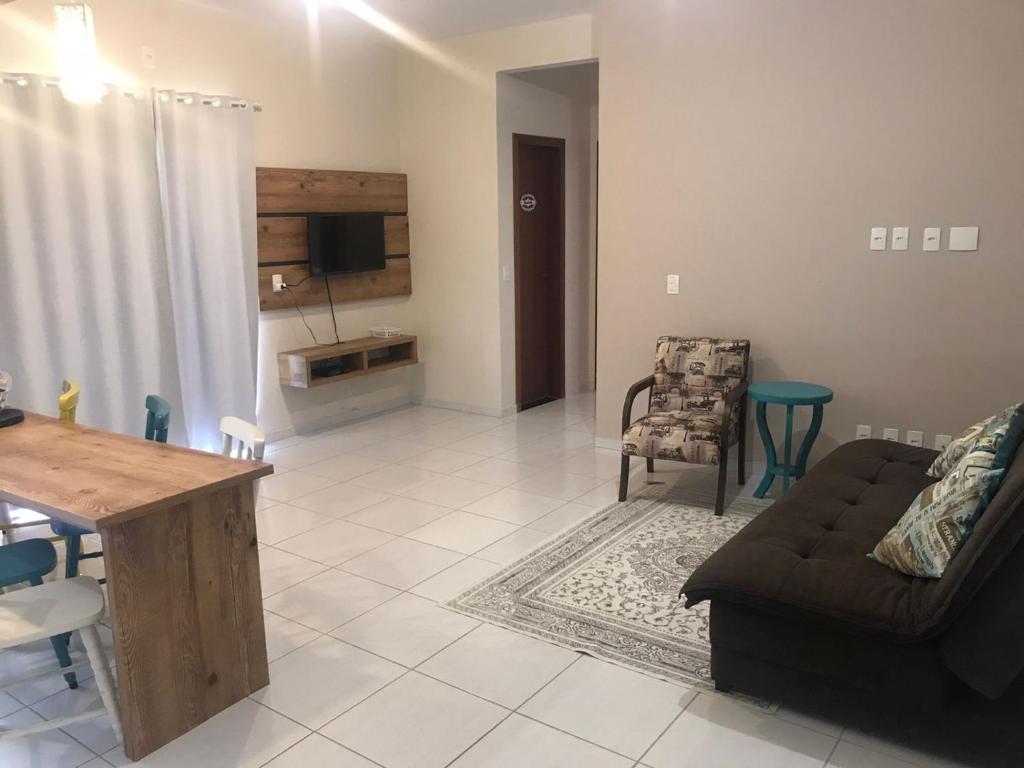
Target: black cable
x,y
296,303
330,300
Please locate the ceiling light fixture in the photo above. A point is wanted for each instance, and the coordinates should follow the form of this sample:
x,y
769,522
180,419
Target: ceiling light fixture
x,y
77,58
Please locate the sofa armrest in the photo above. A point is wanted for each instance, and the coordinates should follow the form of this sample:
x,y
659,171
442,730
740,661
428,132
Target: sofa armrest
x,y
627,408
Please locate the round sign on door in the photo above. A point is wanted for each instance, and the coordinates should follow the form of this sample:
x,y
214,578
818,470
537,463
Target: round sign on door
x,y
527,202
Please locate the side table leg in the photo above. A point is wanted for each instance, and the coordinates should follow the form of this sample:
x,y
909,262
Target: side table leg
x,y
809,438
787,468
769,450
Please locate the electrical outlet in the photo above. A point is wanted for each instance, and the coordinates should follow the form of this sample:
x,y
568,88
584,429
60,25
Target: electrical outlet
x,y
672,284
941,441
277,282
891,433
863,432
915,438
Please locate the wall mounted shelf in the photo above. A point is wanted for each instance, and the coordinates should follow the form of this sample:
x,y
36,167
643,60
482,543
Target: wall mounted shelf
x,y
315,366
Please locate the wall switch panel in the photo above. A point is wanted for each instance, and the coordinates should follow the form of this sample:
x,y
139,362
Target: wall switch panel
x,y
878,238
673,284
900,238
941,441
863,432
891,433
932,239
963,238
915,438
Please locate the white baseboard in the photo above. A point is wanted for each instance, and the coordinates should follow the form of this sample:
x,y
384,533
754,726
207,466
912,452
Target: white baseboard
x,y
320,422
478,409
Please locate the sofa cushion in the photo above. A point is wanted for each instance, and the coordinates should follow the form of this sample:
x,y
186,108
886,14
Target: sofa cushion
x,y
964,442
940,519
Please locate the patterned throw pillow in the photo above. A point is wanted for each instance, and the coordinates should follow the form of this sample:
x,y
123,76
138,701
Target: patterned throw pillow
x,y
943,515
965,441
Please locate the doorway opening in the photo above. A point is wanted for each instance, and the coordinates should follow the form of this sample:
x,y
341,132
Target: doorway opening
x,y
538,181
547,120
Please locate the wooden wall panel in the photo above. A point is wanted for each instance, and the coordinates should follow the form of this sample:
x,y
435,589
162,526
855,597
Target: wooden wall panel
x,y
283,238
292,190
394,280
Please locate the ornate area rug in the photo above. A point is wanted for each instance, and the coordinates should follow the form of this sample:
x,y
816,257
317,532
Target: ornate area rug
x,y
609,586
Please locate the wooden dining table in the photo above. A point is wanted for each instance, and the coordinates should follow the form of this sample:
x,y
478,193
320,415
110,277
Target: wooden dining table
x,y
178,531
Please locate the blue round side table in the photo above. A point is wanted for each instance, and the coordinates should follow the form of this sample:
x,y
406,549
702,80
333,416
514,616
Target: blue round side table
x,y
789,394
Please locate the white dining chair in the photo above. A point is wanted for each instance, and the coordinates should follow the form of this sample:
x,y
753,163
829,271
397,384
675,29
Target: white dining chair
x,y
49,610
248,438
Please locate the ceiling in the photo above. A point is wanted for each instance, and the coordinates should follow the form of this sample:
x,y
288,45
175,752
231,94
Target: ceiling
x,y
426,18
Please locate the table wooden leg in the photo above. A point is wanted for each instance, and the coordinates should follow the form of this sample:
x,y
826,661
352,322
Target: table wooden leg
x,y
809,438
183,587
761,417
787,468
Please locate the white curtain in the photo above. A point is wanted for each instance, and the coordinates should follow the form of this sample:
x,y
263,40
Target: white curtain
x,y
83,280
205,159
128,257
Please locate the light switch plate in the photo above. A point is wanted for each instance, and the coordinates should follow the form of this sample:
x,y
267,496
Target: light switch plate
x,y
891,433
932,239
963,238
941,441
878,238
672,284
915,438
900,238
863,431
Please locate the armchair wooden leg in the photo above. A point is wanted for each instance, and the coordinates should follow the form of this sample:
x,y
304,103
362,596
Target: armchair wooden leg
x,y
723,470
624,478
650,466
741,451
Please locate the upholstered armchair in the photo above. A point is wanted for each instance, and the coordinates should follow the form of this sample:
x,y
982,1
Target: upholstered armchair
x,y
697,408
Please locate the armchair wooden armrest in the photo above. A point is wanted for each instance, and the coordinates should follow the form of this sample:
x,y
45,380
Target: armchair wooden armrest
x,y
627,408
737,392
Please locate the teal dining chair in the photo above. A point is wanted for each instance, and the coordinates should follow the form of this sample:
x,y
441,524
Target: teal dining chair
x,y
158,419
26,562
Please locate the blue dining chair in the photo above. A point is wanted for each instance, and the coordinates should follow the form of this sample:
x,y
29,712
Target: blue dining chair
x,y
26,562
158,419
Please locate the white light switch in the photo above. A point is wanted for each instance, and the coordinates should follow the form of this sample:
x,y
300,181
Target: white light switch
x,y
673,284
963,238
506,273
878,237
932,239
900,238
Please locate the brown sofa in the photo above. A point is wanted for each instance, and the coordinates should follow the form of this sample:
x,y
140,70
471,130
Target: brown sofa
x,y
797,606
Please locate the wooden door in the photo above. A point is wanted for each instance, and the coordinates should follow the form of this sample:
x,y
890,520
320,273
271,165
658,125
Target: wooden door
x,y
539,200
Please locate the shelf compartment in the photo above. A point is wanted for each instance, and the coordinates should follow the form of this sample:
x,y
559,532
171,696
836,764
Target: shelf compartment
x,y
315,366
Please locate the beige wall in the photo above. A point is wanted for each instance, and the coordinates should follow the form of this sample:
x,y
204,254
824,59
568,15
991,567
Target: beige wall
x,y
750,147
336,112
554,102
448,107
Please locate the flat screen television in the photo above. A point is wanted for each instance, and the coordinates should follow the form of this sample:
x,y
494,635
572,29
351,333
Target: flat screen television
x,y
345,242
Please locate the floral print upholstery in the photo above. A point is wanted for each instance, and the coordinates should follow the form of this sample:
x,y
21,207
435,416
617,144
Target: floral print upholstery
x,y
691,379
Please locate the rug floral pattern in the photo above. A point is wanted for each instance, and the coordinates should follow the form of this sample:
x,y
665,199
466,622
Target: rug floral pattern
x,y
610,585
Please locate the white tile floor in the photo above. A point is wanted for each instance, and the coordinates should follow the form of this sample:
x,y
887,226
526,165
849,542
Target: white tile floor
x,y
364,530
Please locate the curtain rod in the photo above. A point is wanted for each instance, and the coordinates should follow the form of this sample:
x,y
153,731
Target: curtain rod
x,y
183,97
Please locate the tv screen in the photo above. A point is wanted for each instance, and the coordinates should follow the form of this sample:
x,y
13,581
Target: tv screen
x,y
345,242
